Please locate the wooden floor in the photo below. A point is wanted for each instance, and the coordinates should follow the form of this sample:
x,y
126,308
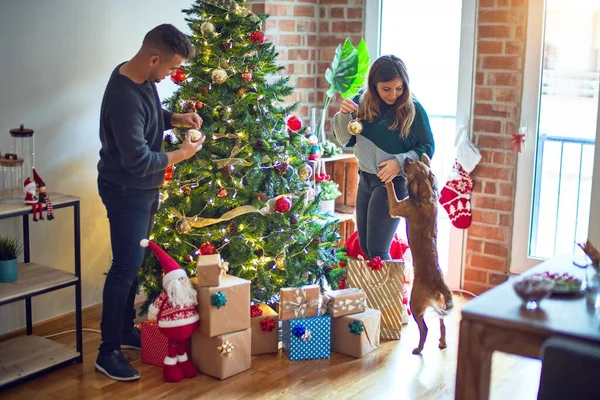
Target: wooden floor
x,y
392,372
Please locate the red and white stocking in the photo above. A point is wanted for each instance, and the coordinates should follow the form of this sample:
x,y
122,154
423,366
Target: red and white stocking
x,y
455,197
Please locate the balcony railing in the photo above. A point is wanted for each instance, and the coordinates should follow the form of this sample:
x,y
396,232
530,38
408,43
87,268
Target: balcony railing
x,y
562,194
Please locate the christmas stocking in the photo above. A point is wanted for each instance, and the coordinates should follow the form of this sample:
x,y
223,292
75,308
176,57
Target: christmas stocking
x,y
456,197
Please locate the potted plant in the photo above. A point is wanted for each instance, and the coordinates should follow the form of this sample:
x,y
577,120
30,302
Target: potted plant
x,y
10,250
328,191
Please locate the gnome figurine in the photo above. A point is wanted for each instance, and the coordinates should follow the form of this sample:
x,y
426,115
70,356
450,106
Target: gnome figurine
x,y
31,198
176,315
43,197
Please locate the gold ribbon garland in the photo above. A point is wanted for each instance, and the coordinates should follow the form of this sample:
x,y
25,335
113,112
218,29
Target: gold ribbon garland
x,y
197,222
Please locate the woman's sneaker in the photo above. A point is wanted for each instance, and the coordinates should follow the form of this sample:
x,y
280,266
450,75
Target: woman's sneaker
x,y
115,366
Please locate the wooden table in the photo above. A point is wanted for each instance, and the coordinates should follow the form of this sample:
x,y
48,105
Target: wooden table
x,y
495,321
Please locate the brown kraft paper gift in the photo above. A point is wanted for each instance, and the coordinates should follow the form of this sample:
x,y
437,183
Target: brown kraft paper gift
x,y
209,270
222,356
384,292
343,341
265,341
299,302
345,301
231,317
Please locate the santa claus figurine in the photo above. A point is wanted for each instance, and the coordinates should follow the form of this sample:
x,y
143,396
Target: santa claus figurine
x,y
176,315
31,198
43,197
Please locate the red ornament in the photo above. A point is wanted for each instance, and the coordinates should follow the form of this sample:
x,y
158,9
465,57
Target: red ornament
x,y
178,75
207,248
247,76
376,263
267,324
222,192
198,105
283,204
257,37
294,123
255,310
169,173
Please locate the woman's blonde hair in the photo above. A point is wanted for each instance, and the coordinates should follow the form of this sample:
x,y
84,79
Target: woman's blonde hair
x,y
385,69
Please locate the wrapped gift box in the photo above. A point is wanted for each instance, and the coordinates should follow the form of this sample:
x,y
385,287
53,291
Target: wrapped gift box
x,y
265,331
224,355
299,302
356,335
209,270
224,308
154,344
345,301
307,338
384,288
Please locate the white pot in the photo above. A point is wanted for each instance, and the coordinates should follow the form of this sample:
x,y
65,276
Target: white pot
x,y
327,206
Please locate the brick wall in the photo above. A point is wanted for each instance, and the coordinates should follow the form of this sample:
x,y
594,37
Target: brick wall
x,y
302,31
498,90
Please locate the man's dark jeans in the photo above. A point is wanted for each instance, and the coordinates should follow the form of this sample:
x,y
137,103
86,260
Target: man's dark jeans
x,y
130,215
375,226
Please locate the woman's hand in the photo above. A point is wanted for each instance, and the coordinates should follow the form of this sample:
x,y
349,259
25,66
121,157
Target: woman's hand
x,y
388,170
348,106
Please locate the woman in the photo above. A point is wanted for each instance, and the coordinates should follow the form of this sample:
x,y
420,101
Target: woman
x,y
395,127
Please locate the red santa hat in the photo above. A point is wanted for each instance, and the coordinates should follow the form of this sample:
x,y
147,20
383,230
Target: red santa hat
x,y
28,185
170,267
37,178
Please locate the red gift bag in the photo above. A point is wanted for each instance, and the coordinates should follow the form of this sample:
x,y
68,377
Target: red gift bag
x,y
155,345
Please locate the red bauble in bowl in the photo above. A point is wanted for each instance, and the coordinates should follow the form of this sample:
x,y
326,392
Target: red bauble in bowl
x,y
257,37
294,123
283,204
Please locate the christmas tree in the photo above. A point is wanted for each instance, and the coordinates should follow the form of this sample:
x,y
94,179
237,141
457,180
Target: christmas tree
x,y
248,193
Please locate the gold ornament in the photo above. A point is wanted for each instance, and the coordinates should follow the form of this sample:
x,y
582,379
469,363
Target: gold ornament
x,y
355,127
183,226
280,263
207,28
219,76
305,172
186,190
242,91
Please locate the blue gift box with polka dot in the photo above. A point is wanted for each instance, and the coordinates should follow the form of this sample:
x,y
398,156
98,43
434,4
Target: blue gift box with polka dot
x,y
307,338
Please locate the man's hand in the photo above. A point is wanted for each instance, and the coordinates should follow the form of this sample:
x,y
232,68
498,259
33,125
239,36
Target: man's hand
x,y
188,120
388,170
187,149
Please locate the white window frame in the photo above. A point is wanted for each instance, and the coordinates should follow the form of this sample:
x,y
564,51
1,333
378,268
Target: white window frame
x,y
530,107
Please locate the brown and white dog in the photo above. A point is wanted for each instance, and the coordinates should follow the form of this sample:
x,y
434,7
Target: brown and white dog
x,y
420,210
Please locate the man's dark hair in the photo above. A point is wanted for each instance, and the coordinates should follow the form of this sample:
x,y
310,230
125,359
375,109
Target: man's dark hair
x,y
168,40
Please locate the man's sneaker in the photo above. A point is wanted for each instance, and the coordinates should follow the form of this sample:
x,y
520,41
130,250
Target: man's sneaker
x,y
115,366
132,340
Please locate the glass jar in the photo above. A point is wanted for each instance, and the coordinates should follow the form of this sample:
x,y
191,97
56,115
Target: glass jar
x,y
11,178
23,146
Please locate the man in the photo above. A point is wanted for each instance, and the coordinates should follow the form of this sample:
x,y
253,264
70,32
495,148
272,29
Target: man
x,y
131,169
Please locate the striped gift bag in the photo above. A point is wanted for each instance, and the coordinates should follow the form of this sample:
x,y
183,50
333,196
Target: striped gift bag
x,y
384,290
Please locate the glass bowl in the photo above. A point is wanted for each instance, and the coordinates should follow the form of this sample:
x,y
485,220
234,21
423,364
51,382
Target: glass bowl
x,y
532,289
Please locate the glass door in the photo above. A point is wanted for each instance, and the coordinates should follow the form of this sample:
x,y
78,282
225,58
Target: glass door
x,y
441,79
555,175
